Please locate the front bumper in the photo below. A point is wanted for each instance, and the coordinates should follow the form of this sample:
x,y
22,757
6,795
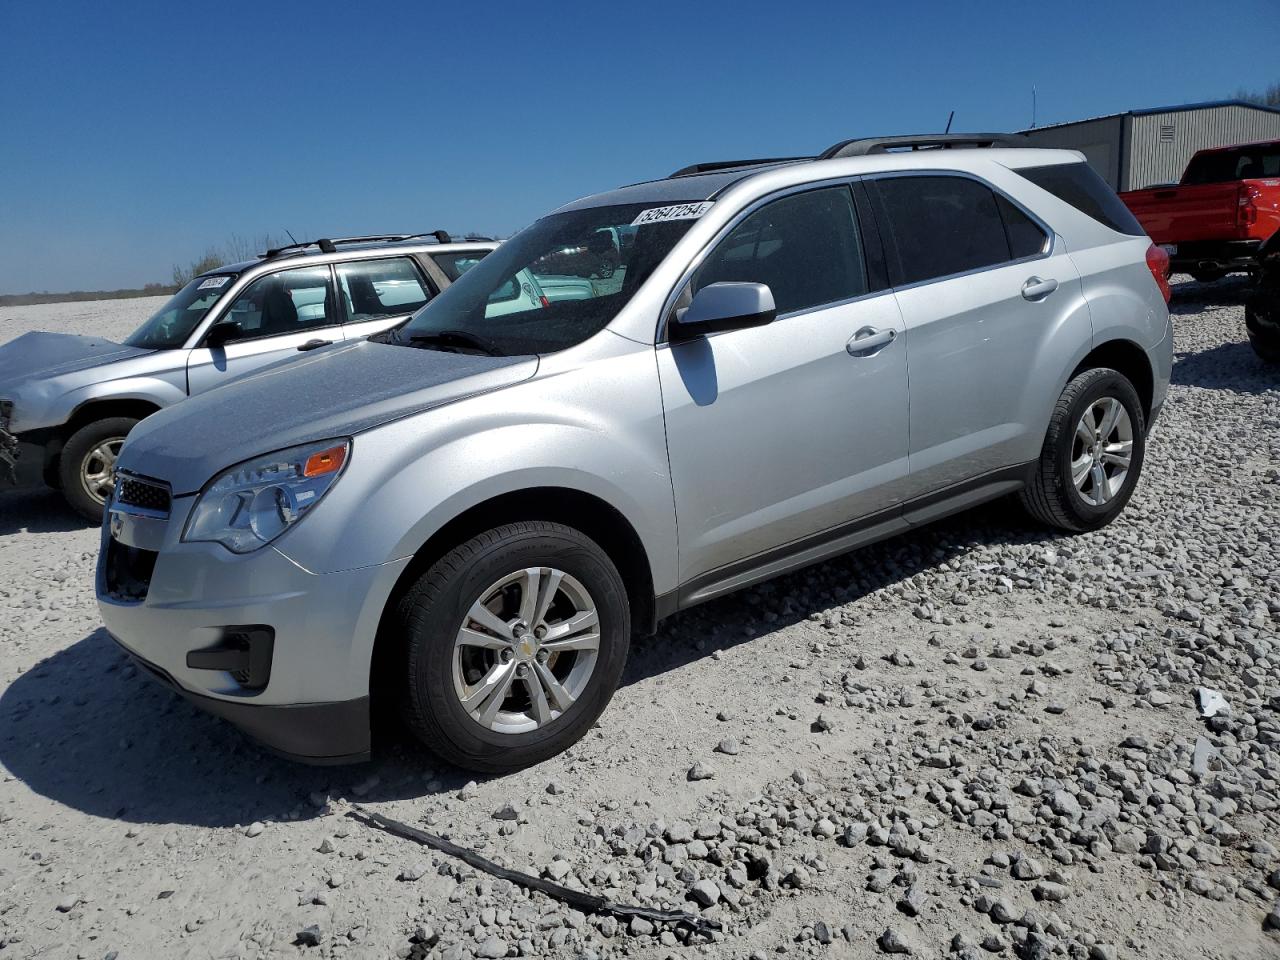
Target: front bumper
x,y
189,598
315,733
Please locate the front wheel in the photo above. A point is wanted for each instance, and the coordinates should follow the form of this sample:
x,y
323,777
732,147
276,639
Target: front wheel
x,y
514,643
87,463
1092,454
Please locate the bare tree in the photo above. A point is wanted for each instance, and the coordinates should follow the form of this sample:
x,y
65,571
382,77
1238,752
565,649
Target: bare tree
x,y
1269,97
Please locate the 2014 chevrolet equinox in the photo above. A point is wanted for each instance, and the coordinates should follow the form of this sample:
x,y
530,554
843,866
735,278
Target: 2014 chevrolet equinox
x,y
646,399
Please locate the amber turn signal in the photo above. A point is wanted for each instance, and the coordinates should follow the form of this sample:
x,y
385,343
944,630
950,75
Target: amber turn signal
x,y
325,462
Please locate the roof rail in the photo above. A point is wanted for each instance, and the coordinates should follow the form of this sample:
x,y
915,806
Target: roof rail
x,y
712,166
328,245
926,141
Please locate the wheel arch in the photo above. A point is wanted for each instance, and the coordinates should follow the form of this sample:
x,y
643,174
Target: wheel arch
x,y
85,413
583,511
1127,358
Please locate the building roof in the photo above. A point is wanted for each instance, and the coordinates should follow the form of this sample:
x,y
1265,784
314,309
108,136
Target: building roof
x,y
1178,108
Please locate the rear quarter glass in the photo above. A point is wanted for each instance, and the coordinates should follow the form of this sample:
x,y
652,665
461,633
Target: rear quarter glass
x,y
1079,185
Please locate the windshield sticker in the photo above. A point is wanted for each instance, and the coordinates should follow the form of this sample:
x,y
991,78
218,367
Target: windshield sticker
x,y
681,211
212,282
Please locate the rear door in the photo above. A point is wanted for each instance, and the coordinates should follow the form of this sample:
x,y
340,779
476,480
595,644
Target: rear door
x,y
982,285
379,294
781,433
281,315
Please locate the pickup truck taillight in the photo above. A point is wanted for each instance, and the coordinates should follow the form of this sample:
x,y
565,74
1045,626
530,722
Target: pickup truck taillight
x,y
1247,205
1158,264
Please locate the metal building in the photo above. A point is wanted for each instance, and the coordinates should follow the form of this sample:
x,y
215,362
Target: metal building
x,y
1146,147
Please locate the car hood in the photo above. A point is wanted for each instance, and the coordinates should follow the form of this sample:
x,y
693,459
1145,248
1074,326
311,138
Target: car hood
x,y
35,356
335,392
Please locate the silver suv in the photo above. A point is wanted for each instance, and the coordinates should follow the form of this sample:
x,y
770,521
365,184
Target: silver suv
x,y
67,402
709,379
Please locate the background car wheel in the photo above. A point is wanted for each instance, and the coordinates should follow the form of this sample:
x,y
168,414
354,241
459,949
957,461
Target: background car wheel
x,y
1208,275
514,643
1092,453
87,461
1267,351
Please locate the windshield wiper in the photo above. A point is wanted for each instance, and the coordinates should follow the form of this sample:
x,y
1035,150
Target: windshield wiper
x,y
457,338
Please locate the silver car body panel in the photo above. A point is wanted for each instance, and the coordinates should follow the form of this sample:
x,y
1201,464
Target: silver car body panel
x,y
331,392
732,457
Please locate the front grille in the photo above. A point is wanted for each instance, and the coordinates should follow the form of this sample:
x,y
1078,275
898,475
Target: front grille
x,y
127,572
133,492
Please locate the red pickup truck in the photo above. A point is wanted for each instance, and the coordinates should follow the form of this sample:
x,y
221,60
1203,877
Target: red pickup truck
x,y
1215,220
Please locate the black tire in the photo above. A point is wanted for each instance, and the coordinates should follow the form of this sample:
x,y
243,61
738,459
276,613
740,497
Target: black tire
x,y
429,616
72,463
1268,351
1207,276
1051,496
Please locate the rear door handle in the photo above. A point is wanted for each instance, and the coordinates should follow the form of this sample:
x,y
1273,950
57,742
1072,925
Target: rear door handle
x,y
1037,289
315,345
868,340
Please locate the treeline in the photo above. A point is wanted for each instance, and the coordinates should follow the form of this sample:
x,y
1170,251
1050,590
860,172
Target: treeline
x,y
75,296
1269,97
234,250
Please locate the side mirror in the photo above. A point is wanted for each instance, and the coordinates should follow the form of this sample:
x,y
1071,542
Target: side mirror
x,y
224,331
724,306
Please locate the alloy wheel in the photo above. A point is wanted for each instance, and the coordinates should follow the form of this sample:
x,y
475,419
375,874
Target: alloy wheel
x,y
1101,451
97,470
526,650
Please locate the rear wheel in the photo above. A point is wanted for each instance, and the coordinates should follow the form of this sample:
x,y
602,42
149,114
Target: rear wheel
x,y
1208,274
1092,454
87,463
514,644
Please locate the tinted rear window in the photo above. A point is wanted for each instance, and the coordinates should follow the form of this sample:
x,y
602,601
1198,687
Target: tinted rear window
x,y
1079,185
938,226
1241,163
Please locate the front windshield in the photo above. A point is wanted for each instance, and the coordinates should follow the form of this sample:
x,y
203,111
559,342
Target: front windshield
x,y
172,325
553,285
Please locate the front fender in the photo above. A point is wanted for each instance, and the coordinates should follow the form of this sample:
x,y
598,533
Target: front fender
x,y
406,480
42,404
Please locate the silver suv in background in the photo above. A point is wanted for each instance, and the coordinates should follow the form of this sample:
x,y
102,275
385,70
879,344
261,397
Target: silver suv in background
x,y
68,402
470,515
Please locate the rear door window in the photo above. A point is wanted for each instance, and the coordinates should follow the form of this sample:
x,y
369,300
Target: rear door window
x,y
805,246
372,289
936,226
1026,238
1079,185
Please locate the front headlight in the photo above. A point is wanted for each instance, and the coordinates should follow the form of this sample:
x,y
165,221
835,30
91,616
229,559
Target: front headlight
x,y
252,503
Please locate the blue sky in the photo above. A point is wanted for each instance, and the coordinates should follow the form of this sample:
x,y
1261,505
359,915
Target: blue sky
x,y
135,135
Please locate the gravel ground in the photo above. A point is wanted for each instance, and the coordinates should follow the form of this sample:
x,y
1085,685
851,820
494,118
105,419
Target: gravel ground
x,y
982,739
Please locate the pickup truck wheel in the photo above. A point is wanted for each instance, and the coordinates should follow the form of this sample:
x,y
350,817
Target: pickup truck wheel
x,y
514,644
86,463
1092,453
1212,275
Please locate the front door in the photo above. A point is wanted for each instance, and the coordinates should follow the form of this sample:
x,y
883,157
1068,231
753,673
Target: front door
x,y
281,316
787,431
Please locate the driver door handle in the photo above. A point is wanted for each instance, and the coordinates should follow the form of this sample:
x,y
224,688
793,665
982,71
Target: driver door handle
x,y
315,345
869,340
1037,289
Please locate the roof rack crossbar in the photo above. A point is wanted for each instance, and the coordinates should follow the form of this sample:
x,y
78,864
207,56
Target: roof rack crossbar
x,y
329,245
712,166
927,141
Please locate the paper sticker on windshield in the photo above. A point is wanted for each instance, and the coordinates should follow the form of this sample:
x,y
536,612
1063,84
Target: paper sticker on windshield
x,y
681,211
210,282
